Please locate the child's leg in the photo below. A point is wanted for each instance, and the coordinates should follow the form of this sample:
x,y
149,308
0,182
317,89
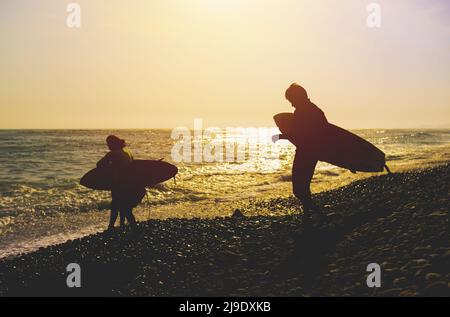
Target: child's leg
x,y
130,217
122,219
113,216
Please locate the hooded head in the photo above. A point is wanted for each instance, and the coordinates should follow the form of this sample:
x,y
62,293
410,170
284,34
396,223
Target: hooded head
x,y
296,95
115,143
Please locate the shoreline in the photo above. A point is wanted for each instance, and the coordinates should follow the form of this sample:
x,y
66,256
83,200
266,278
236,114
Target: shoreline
x,y
56,230
387,220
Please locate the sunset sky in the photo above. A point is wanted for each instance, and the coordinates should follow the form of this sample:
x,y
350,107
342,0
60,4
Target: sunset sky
x,y
162,63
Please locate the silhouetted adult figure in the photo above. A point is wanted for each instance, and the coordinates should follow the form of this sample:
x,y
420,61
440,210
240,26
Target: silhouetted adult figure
x,y
124,197
308,132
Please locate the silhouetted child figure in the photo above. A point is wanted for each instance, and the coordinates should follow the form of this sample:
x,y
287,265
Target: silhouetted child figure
x,y
124,196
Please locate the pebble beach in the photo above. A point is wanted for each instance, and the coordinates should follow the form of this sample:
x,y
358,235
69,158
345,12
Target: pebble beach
x,y
399,222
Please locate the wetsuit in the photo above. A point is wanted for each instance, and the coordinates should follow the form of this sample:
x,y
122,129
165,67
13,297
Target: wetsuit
x,y
308,131
124,197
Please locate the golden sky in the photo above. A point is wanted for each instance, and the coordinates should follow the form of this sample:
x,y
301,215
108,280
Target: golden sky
x,y
162,63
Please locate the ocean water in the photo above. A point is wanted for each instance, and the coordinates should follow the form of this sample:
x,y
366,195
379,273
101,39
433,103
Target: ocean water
x,y
41,202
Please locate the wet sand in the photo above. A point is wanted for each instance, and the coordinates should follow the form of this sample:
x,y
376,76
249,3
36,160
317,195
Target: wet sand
x,y
399,222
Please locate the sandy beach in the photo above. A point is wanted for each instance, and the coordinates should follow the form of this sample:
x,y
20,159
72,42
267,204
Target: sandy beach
x,y
399,222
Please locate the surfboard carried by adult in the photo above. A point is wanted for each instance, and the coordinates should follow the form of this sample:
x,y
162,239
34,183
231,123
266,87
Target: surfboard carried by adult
x,y
341,147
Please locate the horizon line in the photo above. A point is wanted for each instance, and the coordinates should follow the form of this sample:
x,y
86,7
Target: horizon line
x,y
123,129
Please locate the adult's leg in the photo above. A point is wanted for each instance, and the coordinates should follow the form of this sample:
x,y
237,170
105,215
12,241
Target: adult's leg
x,y
302,174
